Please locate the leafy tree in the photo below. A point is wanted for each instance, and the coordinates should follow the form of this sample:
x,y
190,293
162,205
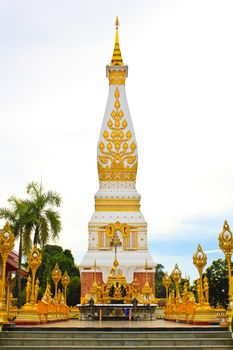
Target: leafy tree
x,y
43,220
217,274
17,216
73,291
160,291
52,254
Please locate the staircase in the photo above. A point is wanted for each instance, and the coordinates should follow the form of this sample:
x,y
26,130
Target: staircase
x,y
112,339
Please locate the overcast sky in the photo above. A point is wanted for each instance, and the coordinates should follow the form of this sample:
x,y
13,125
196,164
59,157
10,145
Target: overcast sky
x,y
53,92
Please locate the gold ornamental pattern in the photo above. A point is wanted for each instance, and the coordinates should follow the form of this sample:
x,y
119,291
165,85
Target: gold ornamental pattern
x,y
117,160
117,77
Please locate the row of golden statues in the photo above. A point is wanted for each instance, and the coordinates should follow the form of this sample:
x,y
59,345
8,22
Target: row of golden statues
x,y
185,307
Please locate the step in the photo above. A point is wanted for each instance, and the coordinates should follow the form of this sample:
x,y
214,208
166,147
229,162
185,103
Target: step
x,y
114,341
135,347
116,334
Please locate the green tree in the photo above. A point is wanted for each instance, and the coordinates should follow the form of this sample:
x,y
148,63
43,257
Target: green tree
x,y
160,291
17,216
217,274
73,291
52,254
43,221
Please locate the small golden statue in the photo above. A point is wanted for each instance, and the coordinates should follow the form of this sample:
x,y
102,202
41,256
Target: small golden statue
x,y
191,297
185,292
206,289
37,288
99,293
135,288
198,292
28,289
172,296
47,295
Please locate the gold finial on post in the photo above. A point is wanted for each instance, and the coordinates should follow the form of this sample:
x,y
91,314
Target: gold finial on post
x,y
176,276
34,261
166,282
65,280
56,276
200,261
7,241
226,245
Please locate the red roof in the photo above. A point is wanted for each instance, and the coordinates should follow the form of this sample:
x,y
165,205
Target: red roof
x,y
12,264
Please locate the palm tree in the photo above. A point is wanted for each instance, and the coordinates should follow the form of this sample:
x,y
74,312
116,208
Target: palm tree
x,y
17,216
43,221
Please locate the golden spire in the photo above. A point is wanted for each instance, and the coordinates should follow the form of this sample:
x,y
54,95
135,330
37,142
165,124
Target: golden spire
x,y
116,57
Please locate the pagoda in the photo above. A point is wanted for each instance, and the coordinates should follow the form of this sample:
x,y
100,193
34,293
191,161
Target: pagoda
x,y
117,229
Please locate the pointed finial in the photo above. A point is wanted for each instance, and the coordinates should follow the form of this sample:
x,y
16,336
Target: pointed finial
x,y
117,22
116,57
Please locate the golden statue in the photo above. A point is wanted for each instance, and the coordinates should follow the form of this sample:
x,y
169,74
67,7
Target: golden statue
x,y
28,289
37,288
198,292
135,288
172,296
191,297
117,294
47,295
185,292
99,292
206,289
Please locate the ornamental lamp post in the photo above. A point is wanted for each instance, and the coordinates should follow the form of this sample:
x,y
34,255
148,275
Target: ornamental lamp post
x,y
176,276
65,280
200,260
7,241
34,261
226,245
56,276
166,282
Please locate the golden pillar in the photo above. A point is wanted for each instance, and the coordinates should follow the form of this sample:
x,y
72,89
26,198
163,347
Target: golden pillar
x,y
226,245
166,282
65,280
176,276
34,261
7,241
56,276
200,260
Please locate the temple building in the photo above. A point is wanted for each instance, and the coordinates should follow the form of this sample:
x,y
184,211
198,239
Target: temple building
x,y
117,229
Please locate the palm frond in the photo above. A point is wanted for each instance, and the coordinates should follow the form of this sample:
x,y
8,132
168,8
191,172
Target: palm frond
x,y
7,214
34,189
53,198
26,243
54,219
44,231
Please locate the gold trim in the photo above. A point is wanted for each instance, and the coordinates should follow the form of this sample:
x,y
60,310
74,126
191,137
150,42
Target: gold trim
x,y
117,77
109,204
